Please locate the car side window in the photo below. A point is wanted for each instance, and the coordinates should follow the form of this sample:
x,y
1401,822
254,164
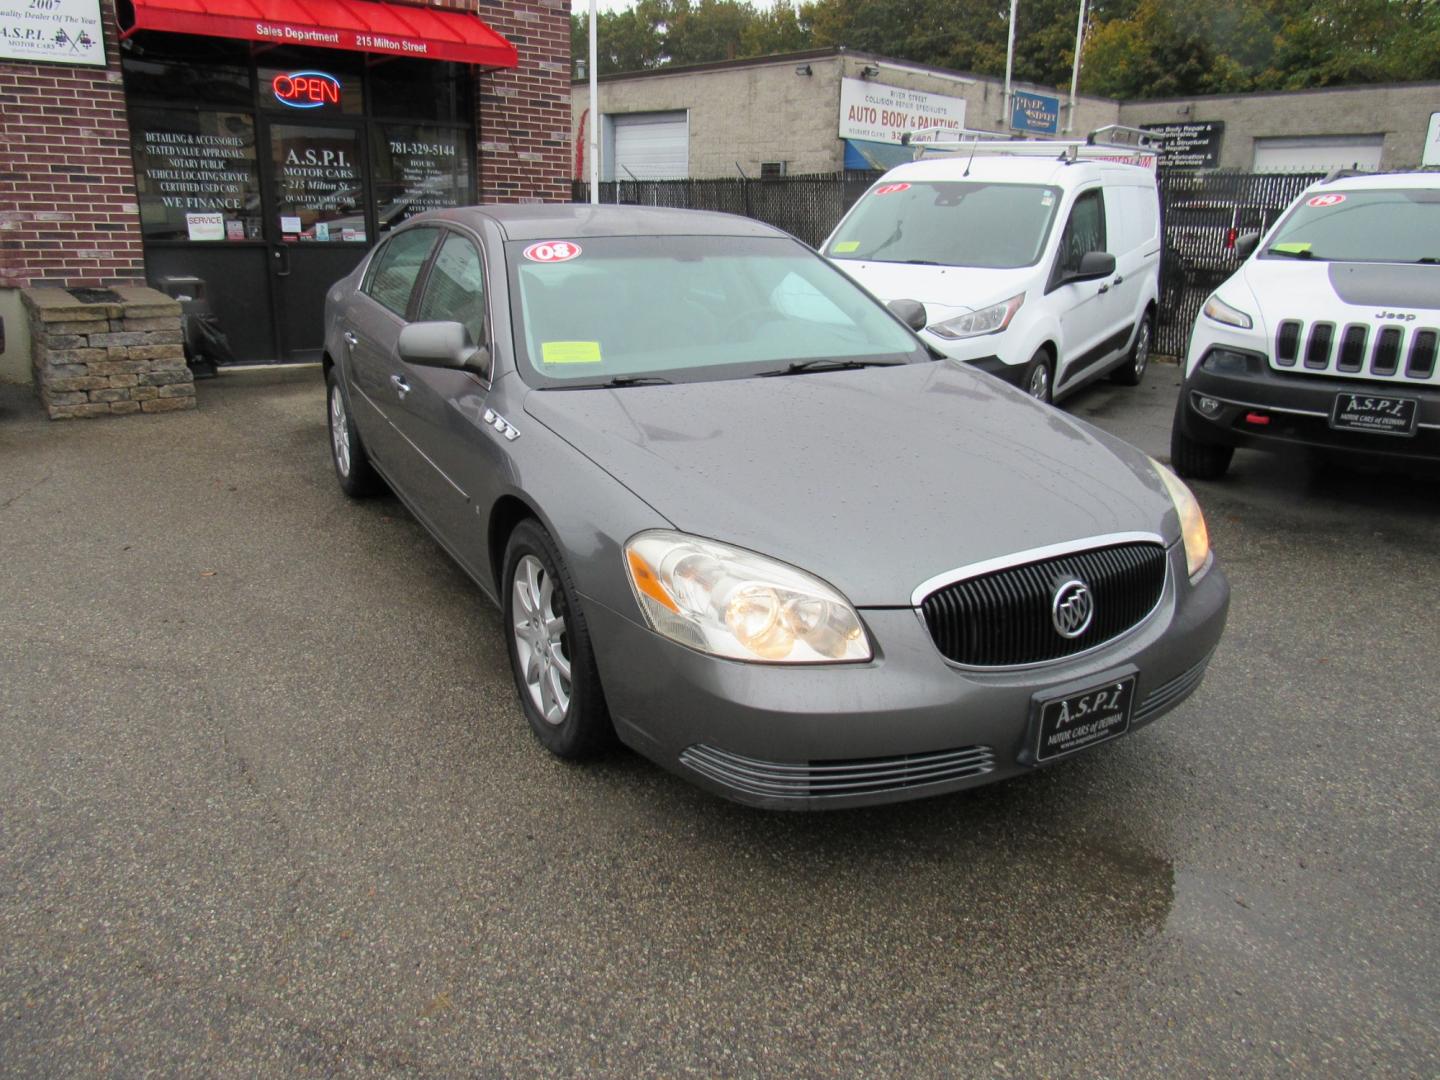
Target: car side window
x,y
455,290
397,267
1084,232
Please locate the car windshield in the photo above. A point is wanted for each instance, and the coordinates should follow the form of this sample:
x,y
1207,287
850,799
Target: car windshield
x,y
949,223
1396,225
689,308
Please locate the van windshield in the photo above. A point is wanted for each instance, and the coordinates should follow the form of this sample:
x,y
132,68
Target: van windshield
x,y
949,223
1397,225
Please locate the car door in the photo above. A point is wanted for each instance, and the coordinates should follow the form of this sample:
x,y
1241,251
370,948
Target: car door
x,y
442,412
372,329
1084,312
1137,252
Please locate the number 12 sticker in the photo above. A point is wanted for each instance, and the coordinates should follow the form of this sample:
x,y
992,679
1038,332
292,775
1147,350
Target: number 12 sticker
x,y
552,251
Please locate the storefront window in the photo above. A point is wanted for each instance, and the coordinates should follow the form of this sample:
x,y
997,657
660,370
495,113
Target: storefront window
x,y
418,168
318,188
196,175
422,90
303,84
189,71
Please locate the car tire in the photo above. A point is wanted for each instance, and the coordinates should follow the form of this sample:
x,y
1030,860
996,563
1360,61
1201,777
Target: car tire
x,y
1132,371
1038,379
357,476
549,645
1196,460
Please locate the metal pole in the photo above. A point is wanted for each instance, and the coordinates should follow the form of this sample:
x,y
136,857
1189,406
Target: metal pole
x,y
1075,71
1009,67
594,114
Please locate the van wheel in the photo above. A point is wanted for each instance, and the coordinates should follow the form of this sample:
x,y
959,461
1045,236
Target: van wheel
x,y
1133,370
1196,460
1038,378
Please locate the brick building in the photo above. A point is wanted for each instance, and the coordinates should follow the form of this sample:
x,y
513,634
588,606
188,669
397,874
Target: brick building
x,y
151,139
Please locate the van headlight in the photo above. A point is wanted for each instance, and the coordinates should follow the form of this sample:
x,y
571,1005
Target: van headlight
x,y
1192,522
990,320
734,603
1221,312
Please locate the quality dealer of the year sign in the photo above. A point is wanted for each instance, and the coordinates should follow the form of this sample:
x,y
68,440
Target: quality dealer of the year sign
x,y
52,32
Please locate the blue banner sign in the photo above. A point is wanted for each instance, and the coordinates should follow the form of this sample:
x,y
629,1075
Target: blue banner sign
x,y
1034,112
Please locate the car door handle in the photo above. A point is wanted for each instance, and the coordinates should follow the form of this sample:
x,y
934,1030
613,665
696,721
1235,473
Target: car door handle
x,y
401,386
351,339
1103,288
1119,280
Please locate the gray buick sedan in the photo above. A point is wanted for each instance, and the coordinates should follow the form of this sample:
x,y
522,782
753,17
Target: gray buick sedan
x,y
737,515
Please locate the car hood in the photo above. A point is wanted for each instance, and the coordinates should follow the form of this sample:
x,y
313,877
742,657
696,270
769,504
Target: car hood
x,y
876,480
946,291
1313,291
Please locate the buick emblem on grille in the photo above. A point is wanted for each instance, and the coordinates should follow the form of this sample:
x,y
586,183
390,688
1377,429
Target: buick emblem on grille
x,y
1072,608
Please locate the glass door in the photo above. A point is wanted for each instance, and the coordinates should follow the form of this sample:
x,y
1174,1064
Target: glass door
x,y
317,227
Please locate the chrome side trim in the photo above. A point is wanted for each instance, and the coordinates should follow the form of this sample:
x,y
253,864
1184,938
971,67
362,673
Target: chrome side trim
x,y
1294,412
1020,558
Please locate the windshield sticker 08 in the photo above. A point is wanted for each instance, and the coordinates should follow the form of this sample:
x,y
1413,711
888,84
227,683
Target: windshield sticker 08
x,y
570,352
552,251
1326,200
891,189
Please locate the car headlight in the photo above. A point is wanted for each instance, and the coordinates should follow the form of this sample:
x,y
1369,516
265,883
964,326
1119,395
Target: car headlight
x,y
1221,312
728,602
990,320
1192,521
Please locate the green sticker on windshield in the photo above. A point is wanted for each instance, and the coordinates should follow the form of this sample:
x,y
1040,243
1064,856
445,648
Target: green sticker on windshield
x,y
570,352
844,246
1293,249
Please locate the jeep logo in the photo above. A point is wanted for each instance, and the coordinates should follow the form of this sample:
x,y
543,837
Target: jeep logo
x,y
1396,316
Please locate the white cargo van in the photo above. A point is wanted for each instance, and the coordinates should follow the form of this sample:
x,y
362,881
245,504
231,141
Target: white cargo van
x,y
1036,261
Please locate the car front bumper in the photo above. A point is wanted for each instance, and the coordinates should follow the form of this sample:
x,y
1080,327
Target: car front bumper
x,y
904,725
1267,410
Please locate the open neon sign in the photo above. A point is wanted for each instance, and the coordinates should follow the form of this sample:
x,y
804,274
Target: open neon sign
x,y
306,89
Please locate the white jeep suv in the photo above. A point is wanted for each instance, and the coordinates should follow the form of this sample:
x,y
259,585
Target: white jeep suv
x,y
1326,336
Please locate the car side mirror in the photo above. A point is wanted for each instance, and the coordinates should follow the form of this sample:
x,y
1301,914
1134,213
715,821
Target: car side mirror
x,y
1093,264
442,345
910,312
1246,243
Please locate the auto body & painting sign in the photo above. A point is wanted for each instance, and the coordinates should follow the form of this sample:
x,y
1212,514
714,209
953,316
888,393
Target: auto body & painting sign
x,y
883,114
52,32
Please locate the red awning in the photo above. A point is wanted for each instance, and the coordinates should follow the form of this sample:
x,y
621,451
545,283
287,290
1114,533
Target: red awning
x,y
357,25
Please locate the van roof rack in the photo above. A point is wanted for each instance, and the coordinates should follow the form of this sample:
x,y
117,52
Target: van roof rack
x,y
1114,142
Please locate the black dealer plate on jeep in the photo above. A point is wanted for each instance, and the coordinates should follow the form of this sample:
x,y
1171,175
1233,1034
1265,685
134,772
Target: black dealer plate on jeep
x,y
1369,412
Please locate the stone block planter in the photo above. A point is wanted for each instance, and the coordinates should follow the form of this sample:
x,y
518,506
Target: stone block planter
x,y
112,356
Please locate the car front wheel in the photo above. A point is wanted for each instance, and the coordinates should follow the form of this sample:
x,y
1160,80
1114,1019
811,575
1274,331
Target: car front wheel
x,y
549,644
1037,380
1193,459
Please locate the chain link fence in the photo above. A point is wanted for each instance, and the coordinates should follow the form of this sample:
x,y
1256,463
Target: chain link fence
x,y
1202,214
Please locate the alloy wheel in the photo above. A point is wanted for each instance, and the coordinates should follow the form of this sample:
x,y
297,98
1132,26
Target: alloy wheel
x,y
1142,349
538,623
339,431
1039,387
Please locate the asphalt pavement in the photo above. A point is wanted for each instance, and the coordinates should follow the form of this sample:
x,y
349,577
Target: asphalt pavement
x,y
268,807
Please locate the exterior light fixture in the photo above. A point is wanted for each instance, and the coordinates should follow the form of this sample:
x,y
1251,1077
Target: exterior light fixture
x,y
803,69
869,71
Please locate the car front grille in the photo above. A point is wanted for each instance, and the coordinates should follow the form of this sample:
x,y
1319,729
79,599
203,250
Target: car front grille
x,y
1393,353
821,779
1166,696
1003,619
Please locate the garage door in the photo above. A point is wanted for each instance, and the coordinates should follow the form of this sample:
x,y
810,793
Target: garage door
x,y
651,146
1318,153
